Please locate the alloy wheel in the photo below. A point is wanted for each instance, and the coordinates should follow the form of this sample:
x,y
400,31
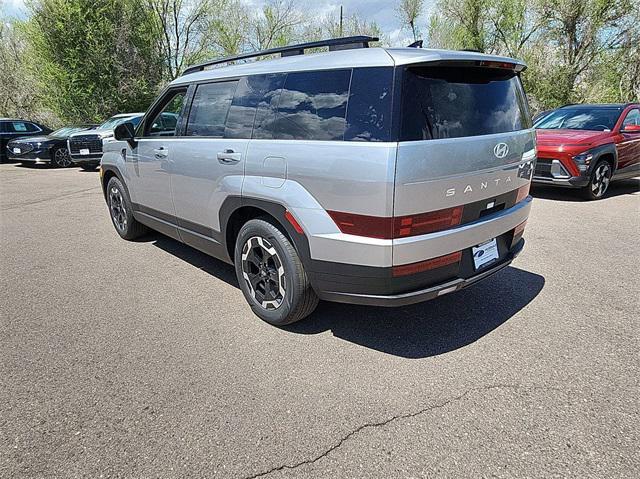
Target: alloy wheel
x,y
118,209
601,179
61,158
263,272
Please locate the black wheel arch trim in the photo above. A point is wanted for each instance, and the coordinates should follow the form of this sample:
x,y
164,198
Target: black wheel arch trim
x,y
600,151
232,204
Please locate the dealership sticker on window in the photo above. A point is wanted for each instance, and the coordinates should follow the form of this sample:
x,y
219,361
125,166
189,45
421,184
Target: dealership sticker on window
x,y
485,253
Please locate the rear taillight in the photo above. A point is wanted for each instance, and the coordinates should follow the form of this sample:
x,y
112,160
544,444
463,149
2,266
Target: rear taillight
x,y
424,223
439,262
398,227
523,192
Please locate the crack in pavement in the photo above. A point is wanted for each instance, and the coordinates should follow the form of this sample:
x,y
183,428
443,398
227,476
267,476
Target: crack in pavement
x,y
396,418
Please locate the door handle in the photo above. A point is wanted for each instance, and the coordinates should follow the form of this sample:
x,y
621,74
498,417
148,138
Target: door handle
x,y
229,156
161,152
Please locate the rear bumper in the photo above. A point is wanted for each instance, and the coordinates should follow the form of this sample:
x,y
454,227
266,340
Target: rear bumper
x,y
425,294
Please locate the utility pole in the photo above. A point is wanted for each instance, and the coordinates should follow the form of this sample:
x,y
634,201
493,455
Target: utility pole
x,y
341,17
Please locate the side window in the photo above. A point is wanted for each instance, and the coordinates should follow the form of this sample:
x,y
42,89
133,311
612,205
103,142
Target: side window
x,y
369,112
255,93
312,106
22,127
170,107
209,109
633,118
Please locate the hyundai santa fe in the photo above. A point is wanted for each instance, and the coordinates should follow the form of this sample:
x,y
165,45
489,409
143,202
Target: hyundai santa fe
x,y
376,176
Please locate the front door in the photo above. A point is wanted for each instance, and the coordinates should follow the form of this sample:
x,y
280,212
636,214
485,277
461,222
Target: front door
x,y
629,147
150,165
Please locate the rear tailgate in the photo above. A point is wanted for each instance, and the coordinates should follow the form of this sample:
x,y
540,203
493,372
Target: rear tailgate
x,y
466,154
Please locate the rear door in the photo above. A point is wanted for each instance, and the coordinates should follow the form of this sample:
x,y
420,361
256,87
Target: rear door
x,y
465,139
208,166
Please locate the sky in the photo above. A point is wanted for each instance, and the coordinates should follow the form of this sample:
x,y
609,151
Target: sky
x,y
381,11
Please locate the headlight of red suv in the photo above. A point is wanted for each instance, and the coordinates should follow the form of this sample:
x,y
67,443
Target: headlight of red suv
x,y
582,161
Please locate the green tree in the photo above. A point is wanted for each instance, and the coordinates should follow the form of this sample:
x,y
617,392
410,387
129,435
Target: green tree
x,y
93,58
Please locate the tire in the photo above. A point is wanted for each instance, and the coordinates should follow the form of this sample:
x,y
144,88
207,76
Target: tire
x,y
265,260
599,181
121,211
60,158
89,166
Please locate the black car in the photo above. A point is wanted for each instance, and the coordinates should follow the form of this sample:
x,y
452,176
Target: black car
x,y
11,129
51,148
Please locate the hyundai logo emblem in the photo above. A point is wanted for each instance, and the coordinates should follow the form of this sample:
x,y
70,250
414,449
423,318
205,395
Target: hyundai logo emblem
x,y
501,150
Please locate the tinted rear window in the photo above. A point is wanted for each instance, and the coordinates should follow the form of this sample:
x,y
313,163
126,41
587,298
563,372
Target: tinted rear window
x,y
311,106
369,111
456,102
209,109
258,92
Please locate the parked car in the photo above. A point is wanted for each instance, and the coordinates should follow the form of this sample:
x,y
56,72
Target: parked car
x,y
11,129
588,146
51,148
85,148
371,176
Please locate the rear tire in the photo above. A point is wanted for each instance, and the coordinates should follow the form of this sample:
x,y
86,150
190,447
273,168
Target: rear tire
x,y
121,211
599,182
271,274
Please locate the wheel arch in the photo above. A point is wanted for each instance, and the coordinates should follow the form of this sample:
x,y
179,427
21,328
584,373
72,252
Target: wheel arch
x,y
236,211
608,153
108,172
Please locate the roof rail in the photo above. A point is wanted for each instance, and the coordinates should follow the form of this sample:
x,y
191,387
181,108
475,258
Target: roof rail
x,y
334,44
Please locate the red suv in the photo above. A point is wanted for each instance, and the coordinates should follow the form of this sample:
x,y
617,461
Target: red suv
x,y
588,146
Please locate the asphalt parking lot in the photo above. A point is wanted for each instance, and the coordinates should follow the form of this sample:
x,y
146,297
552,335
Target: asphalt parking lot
x,y
143,359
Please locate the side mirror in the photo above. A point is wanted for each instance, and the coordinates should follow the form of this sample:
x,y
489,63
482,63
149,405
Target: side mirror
x,y
631,129
125,132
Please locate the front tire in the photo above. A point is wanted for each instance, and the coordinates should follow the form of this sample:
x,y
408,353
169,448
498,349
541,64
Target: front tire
x,y
121,211
60,158
599,182
271,274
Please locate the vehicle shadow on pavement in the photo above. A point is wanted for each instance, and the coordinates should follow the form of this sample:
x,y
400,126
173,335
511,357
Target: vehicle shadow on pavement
x,y
617,188
434,327
419,331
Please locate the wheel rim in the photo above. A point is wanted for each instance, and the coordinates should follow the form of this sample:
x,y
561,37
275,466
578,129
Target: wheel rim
x,y
601,178
118,210
263,272
62,158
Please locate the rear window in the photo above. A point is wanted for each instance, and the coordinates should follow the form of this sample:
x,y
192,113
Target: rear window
x,y
209,109
454,102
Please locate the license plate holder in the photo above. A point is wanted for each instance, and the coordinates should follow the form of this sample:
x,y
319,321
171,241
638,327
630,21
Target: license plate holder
x,y
17,151
485,253
84,151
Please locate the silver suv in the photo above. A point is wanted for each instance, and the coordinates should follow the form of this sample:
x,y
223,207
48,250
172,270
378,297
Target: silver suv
x,y
377,176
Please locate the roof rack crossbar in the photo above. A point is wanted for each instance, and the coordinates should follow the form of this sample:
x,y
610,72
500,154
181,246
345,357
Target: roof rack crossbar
x,y
334,44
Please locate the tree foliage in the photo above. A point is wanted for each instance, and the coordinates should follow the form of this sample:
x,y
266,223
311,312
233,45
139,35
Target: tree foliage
x,y
82,60
91,59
